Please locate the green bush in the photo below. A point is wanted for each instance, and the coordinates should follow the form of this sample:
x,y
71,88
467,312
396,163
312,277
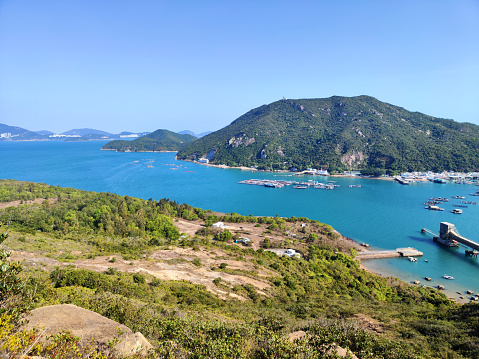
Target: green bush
x,y
197,262
139,278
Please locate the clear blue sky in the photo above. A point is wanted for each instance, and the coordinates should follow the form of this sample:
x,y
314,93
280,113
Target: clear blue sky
x,y
142,65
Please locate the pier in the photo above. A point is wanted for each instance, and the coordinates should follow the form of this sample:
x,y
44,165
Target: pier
x,y
449,232
399,252
450,237
401,180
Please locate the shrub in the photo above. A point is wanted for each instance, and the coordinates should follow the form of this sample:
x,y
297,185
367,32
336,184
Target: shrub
x,y
266,243
111,271
224,236
139,278
155,282
312,237
197,262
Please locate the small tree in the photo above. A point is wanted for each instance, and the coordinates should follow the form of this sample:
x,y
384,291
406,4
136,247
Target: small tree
x,y
224,236
312,237
266,243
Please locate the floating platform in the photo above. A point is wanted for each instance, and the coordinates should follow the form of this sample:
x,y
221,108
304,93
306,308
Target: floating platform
x,y
399,252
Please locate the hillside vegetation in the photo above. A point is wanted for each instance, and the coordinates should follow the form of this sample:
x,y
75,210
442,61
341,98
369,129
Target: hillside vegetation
x,y
340,133
160,140
324,297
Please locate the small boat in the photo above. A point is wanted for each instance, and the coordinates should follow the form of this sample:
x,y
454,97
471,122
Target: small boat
x,y
434,208
456,211
440,286
470,292
426,261
417,282
458,197
365,245
448,277
300,187
412,259
427,278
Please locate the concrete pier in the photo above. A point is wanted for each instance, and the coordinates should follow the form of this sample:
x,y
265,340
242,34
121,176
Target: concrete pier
x,y
399,252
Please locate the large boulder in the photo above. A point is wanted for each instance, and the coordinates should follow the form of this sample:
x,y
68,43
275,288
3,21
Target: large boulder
x,y
88,326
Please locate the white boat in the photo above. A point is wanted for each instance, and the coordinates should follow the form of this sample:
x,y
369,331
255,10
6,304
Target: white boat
x,y
457,211
412,259
434,208
450,277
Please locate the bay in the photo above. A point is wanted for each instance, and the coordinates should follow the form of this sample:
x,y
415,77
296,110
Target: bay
x,y
381,213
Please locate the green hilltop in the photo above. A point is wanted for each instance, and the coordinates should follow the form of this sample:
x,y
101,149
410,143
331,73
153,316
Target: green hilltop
x,y
160,140
340,133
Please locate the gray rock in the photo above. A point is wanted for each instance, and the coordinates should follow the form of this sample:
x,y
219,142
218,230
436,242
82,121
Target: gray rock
x,y
87,325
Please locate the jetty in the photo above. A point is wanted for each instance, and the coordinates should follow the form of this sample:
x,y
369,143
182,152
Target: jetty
x,y
450,237
401,180
398,252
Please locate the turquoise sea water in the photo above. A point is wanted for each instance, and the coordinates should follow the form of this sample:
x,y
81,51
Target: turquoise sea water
x,y
382,213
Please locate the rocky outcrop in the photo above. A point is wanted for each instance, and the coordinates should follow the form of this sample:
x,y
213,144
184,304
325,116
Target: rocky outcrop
x,y
88,326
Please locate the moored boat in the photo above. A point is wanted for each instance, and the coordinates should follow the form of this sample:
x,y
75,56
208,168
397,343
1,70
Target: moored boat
x,y
434,208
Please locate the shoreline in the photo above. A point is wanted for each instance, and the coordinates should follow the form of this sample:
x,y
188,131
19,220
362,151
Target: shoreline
x,y
112,149
286,173
451,294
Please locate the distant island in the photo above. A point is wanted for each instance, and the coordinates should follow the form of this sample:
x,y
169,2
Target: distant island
x,y
339,134
14,133
158,141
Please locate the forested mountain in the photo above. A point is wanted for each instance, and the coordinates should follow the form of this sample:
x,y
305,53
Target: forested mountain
x,y
340,133
160,140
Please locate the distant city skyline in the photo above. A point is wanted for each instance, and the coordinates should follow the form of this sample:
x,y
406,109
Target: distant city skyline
x,y
199,65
